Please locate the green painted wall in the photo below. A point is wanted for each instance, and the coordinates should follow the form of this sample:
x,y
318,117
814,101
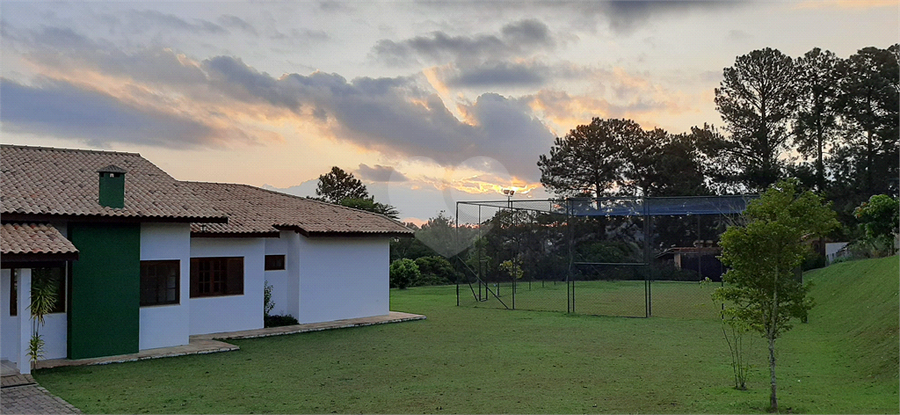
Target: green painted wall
x,y
104,311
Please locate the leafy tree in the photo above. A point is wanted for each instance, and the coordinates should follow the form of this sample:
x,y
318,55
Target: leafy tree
x,y
337,185
757,100
868,100
616,156
403,273
512,268
441,235
411,248
762,288
879,217
589,159
666,165
436,270
816,126
478,260
369,204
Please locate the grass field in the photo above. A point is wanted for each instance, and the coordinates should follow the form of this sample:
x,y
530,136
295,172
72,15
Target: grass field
x,y
676,299
483,360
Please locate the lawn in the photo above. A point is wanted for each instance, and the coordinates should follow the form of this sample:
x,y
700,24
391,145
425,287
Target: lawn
x,y
678,299
486,360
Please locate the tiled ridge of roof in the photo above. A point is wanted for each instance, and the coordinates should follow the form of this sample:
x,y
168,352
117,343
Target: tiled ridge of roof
x,y
33,238
64,182
255,210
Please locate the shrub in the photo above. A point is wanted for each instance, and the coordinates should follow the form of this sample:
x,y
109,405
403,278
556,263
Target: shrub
x,y
435,270
278,321
404,272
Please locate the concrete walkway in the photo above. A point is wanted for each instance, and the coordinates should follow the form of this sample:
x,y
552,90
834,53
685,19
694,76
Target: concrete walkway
x,y
20,394
194,347
393,317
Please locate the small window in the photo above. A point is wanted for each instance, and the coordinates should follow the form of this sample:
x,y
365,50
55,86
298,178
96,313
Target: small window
x,y
160,282
53,279
274,262
212,277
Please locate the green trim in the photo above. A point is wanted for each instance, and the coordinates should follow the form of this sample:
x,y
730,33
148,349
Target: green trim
x,y
104,311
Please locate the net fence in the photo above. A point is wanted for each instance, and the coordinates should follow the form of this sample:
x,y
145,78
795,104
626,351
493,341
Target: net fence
x,y
634,257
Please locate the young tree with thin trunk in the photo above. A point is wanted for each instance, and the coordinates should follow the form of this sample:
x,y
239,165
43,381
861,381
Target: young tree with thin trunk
x,y
762,288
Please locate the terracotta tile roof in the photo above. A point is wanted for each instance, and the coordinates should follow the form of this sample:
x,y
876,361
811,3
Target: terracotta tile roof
x,y
53,181
32,238
254,210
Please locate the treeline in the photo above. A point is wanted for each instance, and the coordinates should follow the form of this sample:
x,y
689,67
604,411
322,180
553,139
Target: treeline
x,y
829,122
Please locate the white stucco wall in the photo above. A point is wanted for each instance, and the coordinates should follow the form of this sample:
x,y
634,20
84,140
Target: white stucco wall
x,y
233,312
279,279
9,325
15,337
55,335
343,278
167,325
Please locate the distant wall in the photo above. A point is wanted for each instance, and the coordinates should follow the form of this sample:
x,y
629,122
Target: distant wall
x,y
343,278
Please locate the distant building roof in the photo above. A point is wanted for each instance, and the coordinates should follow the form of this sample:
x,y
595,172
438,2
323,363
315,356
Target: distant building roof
x,y
21,240
252,210
41,181
691,251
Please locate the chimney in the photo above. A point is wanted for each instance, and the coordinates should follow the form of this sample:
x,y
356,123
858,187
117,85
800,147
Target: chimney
x,y
112,186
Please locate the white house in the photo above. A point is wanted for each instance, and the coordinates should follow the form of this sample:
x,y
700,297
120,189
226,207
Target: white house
x,y
143,261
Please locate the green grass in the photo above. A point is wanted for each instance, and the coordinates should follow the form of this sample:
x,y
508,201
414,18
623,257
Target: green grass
x,y
677,299
482,360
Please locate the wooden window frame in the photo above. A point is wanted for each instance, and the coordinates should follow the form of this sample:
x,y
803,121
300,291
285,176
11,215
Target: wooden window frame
x,y
277,262
160,283
217,276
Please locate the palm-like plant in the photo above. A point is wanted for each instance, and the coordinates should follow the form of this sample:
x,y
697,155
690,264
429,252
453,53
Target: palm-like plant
x,y
43,299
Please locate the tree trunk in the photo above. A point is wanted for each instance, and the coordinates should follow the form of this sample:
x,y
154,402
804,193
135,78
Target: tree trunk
x,y
773,398
770,334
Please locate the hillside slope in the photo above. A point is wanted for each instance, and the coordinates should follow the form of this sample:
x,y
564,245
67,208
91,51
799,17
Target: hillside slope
x,y
857,303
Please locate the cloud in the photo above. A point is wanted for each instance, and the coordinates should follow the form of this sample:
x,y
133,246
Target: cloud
x,y
234,22
500,74
305,35
62,109
63,48
514,39
240,81
379,173
625,16
142,20
528,32
397,116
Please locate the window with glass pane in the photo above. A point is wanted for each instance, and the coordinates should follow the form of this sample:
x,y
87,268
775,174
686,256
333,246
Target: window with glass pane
x,y
160,282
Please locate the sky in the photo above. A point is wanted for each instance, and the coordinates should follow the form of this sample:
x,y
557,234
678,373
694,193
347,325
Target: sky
x,y
427,102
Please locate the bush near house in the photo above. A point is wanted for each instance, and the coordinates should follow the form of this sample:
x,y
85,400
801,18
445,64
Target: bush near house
x,y
403,273
435,270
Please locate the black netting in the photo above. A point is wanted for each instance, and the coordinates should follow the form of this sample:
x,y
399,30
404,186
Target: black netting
x,y
606,256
